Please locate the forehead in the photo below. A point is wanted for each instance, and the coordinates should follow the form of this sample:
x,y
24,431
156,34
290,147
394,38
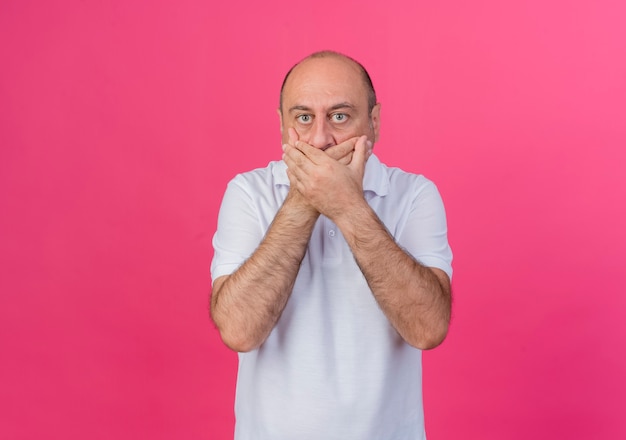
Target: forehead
x,y
327,80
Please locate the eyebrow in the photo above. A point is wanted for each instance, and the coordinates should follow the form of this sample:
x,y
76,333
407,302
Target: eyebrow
x,y
334,107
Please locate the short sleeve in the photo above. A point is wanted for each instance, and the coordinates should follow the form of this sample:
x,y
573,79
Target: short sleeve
x,y
425,235
238,231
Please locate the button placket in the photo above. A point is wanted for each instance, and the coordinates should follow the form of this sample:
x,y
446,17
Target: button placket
x,y
332,244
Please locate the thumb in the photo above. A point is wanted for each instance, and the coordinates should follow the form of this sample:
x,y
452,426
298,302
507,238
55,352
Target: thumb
x,y
362,151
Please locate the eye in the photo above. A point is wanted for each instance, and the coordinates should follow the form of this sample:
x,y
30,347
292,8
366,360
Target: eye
x,y
339,117
304,119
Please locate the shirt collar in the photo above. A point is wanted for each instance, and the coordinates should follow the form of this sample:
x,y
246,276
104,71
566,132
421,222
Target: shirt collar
x,y
376,176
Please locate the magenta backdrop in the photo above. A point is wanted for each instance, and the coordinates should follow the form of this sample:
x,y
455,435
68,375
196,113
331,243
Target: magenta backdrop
x,y
122,121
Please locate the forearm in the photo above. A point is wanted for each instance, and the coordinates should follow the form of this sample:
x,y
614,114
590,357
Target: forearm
x,y
416,299
246,305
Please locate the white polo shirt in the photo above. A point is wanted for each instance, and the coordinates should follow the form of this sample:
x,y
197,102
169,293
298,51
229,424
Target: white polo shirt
x,y
333,367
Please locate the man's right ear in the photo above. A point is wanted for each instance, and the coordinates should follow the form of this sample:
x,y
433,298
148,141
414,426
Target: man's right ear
x,y
280,119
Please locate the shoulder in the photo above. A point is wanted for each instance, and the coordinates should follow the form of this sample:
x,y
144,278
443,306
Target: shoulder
x,y
400,182
262,179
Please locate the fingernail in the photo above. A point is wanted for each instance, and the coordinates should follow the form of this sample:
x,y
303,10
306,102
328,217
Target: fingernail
x,y
284,147
369,144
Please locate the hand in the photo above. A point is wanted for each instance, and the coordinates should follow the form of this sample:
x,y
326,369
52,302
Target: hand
x,y
341,152
329,185
294,197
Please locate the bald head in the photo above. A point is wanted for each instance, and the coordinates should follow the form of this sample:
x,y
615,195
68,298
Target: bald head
x,y
365,78
327,99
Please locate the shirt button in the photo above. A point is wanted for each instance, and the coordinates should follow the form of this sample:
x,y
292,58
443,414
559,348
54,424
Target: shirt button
x,y
331,233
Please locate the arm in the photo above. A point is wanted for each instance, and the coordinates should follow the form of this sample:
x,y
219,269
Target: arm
x,y
246,305
416,299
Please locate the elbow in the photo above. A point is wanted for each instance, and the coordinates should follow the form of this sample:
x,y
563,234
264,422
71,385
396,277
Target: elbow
x,y
238,343
431,339
235,337
430,343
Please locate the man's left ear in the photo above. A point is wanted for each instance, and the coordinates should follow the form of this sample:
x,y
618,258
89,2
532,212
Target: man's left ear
x,y
375,120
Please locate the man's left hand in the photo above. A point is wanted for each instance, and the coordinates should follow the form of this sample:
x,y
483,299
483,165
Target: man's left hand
x,y
328,185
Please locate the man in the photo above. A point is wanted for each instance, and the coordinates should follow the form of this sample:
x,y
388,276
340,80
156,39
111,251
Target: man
x,y
331,272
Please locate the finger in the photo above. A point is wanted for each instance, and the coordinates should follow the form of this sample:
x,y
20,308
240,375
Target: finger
x,y
293,136
362,150
315,155
369,146
342,150
293,180
291,155
293,170
297,162
345,160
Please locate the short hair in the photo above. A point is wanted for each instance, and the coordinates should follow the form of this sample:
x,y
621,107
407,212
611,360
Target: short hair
x,y
367,81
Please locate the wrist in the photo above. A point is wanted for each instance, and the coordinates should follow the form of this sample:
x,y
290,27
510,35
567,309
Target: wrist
x,y
353,216
297,203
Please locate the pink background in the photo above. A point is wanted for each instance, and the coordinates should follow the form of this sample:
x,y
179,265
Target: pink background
x,y
122,121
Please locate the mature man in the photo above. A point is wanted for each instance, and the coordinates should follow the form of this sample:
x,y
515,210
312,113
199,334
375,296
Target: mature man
x,y
331,271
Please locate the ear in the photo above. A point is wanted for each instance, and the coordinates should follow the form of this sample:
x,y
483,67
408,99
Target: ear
x,y
375,120
280,119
